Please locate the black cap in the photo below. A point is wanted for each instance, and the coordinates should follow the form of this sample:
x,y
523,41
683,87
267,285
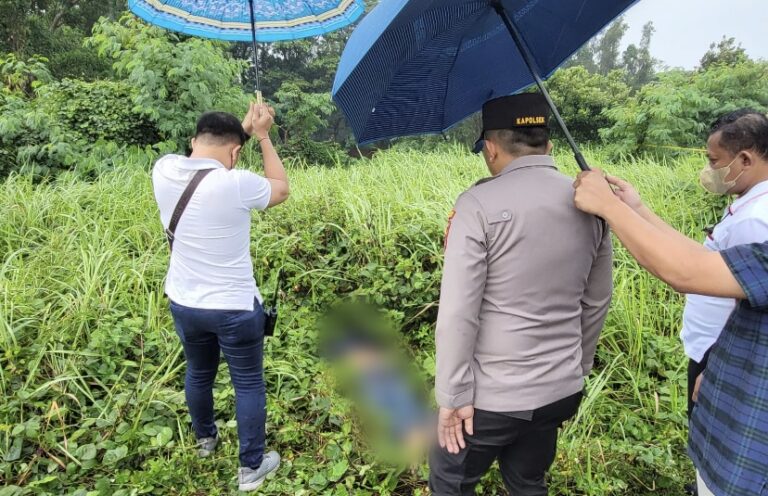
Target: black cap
x,y
513,112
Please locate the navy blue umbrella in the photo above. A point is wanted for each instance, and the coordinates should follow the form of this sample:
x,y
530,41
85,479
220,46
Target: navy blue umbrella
x,y
421,66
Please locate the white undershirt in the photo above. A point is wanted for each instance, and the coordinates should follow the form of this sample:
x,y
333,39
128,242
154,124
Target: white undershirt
x,y
745,221
211,264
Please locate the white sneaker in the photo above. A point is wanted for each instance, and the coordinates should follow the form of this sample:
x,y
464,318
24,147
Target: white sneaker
x,y
207,446
250,479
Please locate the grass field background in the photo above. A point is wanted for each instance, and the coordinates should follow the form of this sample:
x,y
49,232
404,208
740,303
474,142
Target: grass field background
x,y
91,371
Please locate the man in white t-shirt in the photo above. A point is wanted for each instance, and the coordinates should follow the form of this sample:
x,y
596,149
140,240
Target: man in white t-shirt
x,y
215,303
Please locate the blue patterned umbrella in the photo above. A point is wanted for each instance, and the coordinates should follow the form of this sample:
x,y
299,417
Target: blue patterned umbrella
x,y
250,20
275,20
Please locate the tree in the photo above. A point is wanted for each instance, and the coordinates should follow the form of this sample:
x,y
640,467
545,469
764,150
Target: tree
x,y
23,21
303,121
726,52
22,77
14,32
176,78
602,54
677,109
307,64
608,45
582,99
638,63
303,113
56,29
584,57
54,125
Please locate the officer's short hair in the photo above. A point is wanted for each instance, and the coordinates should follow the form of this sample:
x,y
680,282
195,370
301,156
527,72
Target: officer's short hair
x,y
521,141
220,128
743,129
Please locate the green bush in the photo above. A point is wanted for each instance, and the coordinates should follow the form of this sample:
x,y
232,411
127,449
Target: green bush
x,y
63,47
175,79
677,110
21,77
24,130
80,63
309,151
303,116
99,111
67,122
167,82
31,138
582,99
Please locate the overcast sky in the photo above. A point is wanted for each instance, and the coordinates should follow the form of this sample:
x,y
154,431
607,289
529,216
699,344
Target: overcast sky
x,y
685,28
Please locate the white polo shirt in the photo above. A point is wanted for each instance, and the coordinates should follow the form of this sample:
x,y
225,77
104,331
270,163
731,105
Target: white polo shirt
x,y
745,221
211,264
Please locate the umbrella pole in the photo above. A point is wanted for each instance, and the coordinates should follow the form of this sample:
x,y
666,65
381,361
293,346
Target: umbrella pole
x,y
255,54
528,58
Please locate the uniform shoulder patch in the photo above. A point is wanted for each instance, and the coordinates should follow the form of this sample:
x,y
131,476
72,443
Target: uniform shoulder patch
x,y
448,228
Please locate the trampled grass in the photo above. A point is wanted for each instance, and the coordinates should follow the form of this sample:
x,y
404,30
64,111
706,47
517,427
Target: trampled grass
x,y
91,371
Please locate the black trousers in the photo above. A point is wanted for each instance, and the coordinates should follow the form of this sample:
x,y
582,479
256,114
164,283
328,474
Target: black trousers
x,y
525,450
694,369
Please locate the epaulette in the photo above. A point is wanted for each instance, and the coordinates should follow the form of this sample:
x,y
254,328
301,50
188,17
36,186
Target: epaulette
x,y
485,180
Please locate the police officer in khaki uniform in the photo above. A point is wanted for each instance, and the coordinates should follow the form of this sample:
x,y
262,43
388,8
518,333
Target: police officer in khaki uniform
x,y
525,291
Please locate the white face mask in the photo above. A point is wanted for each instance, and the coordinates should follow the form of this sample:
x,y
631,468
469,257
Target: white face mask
x,y
713,180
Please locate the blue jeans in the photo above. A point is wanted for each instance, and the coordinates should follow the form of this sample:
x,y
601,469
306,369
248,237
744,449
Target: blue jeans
x,y
239,335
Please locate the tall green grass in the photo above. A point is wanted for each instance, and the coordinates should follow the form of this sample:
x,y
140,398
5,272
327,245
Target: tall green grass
x,y
91,371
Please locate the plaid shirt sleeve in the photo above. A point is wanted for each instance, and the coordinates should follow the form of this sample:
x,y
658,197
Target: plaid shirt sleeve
x,y
749,265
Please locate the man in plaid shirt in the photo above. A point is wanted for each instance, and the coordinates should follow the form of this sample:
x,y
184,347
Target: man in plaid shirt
x,y
729,426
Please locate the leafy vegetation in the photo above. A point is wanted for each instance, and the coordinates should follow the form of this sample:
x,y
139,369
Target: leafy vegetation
x,y
677,110
164,84
92,372
152,84
55,29
583,97
175,79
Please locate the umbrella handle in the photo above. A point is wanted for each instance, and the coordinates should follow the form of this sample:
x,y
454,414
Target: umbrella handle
x,y
255,53
529,61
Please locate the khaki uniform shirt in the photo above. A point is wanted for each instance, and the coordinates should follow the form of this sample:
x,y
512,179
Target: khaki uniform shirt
x,y
525,291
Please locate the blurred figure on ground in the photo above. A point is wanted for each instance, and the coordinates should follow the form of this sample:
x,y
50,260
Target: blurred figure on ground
x,y
525,291
361,344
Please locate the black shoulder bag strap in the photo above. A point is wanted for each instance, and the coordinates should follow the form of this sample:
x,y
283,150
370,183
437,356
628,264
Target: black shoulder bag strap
x,y
270,310
182,204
